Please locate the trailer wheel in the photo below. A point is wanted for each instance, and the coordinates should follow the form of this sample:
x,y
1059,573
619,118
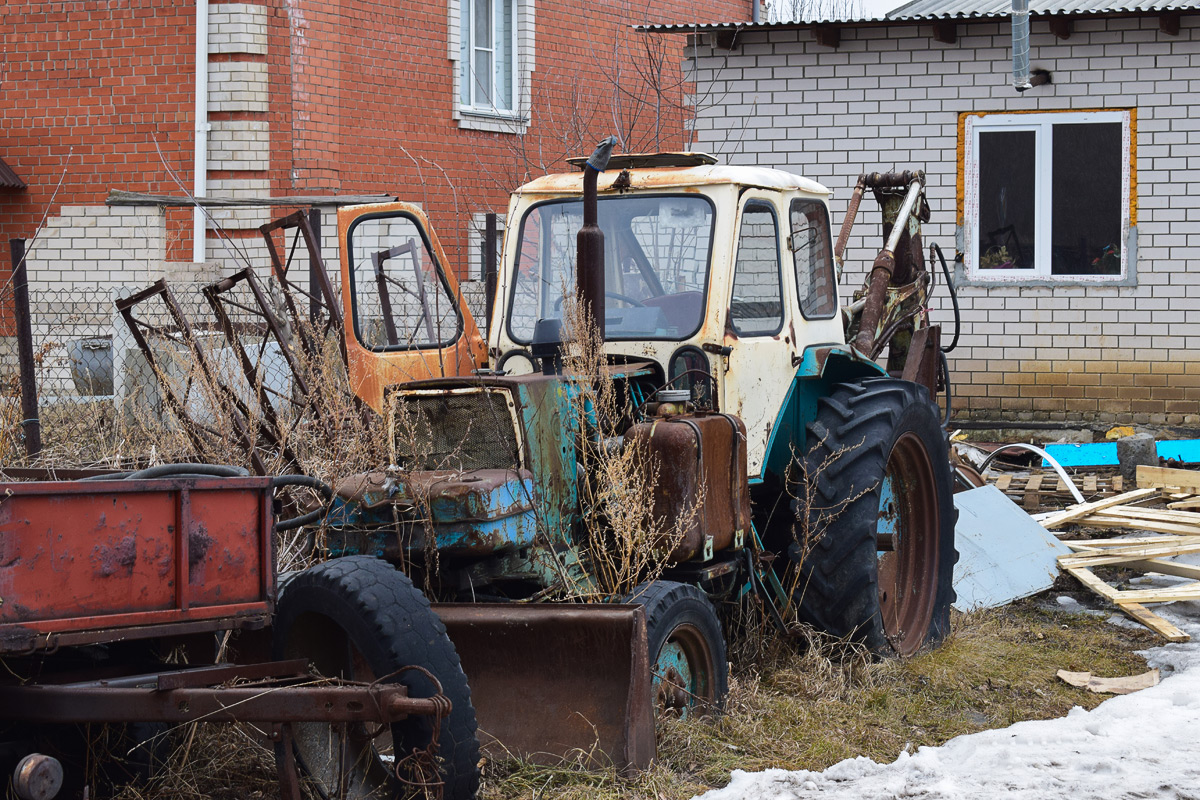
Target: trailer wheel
x,y
687,649
359,618
877,476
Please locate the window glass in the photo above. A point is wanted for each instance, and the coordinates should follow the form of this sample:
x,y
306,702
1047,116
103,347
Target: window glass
x,y
757,304
1007,199
1086,189
486,55
656,254
400,299
812,255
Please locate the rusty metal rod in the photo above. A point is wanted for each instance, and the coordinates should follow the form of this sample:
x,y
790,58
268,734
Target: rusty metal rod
x,y
881,273
839,249
377,703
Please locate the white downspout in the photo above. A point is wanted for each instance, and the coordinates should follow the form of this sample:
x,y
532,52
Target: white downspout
x,y
200,165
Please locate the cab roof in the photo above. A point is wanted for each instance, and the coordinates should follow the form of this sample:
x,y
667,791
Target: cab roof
x,y
685,169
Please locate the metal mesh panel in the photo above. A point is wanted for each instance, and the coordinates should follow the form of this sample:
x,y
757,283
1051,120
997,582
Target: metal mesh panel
x,y
464,431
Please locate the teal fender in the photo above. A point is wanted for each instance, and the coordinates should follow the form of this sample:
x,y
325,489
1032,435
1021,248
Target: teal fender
x,y
821,366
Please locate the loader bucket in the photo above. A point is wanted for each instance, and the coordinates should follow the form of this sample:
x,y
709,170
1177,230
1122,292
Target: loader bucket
x,y
557,681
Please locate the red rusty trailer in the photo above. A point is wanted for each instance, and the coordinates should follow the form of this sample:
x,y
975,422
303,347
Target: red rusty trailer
x,y
176,560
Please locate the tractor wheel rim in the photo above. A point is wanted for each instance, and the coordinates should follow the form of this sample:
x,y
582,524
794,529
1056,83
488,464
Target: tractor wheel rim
x,y
682,672
908,512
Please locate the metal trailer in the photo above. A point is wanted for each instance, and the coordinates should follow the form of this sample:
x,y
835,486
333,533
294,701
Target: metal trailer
x,y
95,577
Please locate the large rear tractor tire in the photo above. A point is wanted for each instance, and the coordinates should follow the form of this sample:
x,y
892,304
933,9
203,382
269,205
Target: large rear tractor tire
x,y
359,618
875,546
688,668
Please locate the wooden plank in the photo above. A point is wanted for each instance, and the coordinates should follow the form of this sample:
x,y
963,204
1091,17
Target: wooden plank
x,y
1089,580
1061,486
1154,622
1105,521
1168,594
1032,499
1164,478
1183,505
1003,482
1124,554
1156,514
1095,544
1082,510
1118,484
1089,484
1162,567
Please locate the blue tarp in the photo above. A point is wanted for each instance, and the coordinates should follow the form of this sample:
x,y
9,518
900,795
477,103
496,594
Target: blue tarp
x,y
1104,454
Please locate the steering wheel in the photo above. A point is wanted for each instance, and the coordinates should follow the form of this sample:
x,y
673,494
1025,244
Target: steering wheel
x,y
624,298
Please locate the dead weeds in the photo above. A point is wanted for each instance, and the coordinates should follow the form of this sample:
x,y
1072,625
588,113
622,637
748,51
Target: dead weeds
x,y
812,706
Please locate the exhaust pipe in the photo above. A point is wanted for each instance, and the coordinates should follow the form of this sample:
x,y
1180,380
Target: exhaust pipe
x,y
589,244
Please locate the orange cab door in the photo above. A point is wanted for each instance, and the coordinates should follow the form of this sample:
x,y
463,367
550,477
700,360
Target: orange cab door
x,y
405,315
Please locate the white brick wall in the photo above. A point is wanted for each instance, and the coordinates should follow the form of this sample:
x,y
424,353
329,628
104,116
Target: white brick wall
x,y
237,86
237,28
239,144
890,97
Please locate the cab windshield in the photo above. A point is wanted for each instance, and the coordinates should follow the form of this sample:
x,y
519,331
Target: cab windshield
x,y
656,255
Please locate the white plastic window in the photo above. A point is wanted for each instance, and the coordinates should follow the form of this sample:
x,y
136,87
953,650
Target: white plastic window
x,y
1047,196
488,64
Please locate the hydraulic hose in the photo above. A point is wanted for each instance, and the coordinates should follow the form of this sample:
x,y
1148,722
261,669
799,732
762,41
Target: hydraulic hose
x,y
320,486
933,248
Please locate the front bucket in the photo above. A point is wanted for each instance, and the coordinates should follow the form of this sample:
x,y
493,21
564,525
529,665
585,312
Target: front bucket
x,y
557,681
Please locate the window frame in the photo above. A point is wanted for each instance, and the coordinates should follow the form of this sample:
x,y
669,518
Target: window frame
x,y
755,203
828,266
486,116
1042,122
511,298
442,281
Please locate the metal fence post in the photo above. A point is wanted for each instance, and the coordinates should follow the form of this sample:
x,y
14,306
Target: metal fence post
x,y
31,424
314,302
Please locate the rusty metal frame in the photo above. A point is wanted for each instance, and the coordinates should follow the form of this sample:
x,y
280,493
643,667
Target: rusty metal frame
x,y
181,616
326,298
303,400
385,300
183,332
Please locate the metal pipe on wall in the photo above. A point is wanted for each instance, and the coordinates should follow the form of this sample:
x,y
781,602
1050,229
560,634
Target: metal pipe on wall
x,y
200,160
1020,44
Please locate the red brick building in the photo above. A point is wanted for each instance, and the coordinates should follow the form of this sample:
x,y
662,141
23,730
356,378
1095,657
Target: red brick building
x,y
449,104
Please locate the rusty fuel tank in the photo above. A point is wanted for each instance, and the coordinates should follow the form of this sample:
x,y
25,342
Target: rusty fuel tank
x,y
701,458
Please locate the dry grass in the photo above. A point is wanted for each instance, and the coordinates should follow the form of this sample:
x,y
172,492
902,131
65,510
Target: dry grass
x,y
813,708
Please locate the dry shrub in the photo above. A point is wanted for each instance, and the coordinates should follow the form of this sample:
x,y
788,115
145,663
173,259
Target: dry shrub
x,y
625,544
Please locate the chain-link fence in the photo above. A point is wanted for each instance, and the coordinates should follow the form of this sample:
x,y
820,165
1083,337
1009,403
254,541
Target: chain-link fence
x,y
228,371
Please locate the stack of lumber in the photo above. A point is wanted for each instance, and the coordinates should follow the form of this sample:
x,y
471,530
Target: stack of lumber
x,y
1166,504
1038,489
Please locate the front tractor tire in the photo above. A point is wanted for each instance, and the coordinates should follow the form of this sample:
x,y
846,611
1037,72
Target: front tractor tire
x,y
875,545
359,618
689,672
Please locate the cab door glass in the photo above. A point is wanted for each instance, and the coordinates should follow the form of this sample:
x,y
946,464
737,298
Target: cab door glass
x,y
756,308
812,255
401,301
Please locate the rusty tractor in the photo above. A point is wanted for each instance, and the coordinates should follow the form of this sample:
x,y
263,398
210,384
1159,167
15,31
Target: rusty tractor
x,y
824,477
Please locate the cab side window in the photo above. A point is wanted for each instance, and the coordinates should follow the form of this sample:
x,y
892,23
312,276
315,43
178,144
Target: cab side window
x,y
756,308
812,255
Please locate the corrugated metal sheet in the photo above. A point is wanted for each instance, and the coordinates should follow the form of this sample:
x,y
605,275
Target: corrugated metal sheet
x,y
968,9
919,10
8,178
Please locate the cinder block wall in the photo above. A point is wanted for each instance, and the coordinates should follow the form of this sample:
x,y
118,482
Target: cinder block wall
x,y
890,97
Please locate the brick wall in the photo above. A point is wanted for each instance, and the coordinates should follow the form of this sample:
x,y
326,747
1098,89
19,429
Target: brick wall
x,y
891,97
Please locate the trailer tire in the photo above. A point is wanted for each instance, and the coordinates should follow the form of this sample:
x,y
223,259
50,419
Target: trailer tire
x,y
359,609
876,463
688,665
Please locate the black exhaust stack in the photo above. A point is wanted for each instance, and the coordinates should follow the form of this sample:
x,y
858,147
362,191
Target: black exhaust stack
x,y
589,268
